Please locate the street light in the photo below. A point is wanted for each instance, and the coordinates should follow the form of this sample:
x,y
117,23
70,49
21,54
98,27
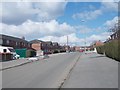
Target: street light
x,y
85,35
67,44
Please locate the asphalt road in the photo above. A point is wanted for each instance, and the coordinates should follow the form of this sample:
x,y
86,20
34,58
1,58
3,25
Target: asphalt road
x,y
48,73
90,71
93,71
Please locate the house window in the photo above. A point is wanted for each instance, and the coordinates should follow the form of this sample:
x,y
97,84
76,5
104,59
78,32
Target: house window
x,y
1,41
4,50
28,45
16,43
22,44
7,41
116,35
42,44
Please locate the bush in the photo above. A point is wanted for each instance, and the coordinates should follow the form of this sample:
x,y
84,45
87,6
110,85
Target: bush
x,y
56,51
112,49
30,53
62,51
100,49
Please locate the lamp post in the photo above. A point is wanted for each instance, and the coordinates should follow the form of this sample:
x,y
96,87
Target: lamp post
x,y
67,44
85,36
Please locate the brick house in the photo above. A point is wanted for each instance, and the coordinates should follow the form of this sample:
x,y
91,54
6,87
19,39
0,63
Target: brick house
x,y
77,48
97,43
46,47
19,44
14,42
42,46
56,47
115,36
37,45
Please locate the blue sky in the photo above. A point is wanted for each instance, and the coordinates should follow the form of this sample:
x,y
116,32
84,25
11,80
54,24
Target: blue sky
x,y
56,20
79,7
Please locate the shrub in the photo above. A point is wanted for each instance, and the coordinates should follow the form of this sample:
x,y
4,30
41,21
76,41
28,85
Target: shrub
x,y
56,51
30,53
112,49
100,49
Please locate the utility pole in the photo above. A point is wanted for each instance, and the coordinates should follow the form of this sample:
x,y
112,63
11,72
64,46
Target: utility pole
x,y
67,40
85,36
67,44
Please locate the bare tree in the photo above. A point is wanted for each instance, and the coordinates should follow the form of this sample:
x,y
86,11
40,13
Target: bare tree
x,y
115,28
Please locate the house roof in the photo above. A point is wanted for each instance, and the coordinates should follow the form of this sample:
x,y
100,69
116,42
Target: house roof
x,y
48,42
55,43
115,33
36,41
12,38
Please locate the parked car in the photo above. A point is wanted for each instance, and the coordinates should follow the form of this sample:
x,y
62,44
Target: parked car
x,y
10,50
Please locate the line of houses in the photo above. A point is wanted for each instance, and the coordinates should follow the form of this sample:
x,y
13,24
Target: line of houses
x,y
36,47
31,48
114,36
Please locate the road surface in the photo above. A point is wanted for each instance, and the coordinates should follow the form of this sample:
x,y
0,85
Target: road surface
x,y
93,71
70,70
47,73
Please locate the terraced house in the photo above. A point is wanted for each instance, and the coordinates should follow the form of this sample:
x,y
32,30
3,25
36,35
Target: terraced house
x,y
21,46
116,35
14,42
46,47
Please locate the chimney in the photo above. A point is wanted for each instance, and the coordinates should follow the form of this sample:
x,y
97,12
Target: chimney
x,y
23,37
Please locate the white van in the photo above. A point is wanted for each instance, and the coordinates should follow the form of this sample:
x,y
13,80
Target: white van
x,y
11,50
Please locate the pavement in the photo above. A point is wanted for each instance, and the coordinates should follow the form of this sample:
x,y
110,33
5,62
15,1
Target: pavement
x,y
93,71
13,63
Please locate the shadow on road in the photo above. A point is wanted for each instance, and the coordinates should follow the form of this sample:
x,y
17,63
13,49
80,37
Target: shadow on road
x,y
97,56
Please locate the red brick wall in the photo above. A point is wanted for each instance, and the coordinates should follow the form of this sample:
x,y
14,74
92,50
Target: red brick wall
x,y
77,48
98,43
36,46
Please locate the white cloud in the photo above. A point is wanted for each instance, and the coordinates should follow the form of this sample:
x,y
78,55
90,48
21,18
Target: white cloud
x,y
82,29
18,12
51,31
32,29
88,15
110,23
93,14
103,36
34,1
109,6
72,39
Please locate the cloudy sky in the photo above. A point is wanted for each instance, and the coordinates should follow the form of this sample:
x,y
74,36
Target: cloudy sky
x,y
80,21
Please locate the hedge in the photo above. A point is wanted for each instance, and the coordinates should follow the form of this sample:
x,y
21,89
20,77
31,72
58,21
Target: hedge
x,y
111,49
30,53
100,49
